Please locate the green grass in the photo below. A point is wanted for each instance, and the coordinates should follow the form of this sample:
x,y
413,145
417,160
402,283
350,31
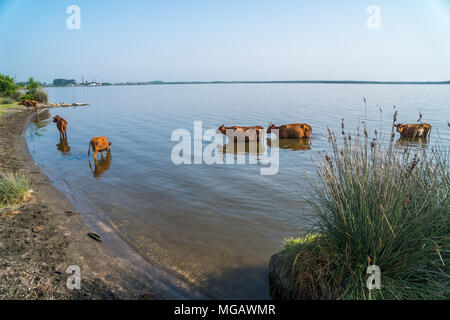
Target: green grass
x,y
375,204
292,243
4,106
14,188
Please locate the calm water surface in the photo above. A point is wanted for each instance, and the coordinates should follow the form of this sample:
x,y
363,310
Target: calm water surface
x,y
212,226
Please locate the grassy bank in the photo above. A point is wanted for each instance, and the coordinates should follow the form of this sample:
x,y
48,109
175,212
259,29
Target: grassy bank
x,y
375,205
11,92
5,104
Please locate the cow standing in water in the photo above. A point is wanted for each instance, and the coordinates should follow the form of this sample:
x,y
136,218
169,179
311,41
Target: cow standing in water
x,y
61,124
99,144
254,133
415,130
291,131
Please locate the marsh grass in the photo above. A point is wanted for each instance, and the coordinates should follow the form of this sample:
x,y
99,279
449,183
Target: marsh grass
x,y
376,205
14,188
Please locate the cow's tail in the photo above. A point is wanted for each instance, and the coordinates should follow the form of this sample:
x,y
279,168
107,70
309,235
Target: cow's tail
x,y
89,149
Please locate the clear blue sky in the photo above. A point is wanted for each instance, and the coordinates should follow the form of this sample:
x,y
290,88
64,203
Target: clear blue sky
x,y
206,40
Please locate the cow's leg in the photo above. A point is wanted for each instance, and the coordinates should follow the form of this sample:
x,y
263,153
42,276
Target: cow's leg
x,y
95,154
109,152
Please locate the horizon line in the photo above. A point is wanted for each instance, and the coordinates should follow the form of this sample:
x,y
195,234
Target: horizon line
x,y
161,82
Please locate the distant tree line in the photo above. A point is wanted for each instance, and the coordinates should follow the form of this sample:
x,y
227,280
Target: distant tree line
x,y
64,82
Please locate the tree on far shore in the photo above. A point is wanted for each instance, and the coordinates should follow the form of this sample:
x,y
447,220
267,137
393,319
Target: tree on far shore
x,y
64,82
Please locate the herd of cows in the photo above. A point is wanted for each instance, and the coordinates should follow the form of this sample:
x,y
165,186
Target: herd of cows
x,y
253,133
29,103
98,144
303,130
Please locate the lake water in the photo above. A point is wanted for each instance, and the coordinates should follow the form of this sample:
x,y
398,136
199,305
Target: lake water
x,y
213,227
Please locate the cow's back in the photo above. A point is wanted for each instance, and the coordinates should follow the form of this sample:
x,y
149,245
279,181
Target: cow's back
x,y
294,130
100,143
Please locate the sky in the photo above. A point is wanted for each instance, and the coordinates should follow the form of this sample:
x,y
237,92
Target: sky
x,y
207,40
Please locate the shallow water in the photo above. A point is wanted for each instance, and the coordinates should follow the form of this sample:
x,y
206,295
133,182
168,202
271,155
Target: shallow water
x,y
213,226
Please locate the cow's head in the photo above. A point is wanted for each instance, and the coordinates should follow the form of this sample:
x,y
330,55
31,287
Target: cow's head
x,y
271,126
306,130
400,127
56,118
222,129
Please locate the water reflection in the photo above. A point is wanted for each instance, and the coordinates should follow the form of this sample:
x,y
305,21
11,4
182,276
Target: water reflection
x,y
41,120
293,144
252,147
420,142
63,146
100,166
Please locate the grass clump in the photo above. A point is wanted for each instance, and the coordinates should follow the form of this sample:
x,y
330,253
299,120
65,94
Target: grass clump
x,y
292,242
376,205
14,188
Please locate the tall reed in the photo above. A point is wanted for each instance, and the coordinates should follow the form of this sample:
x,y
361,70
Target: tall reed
x,y
378,205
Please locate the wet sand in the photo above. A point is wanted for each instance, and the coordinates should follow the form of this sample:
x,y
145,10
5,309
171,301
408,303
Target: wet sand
x,y
41,238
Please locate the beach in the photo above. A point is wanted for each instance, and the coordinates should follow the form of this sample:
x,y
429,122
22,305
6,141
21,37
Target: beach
x,y
45,235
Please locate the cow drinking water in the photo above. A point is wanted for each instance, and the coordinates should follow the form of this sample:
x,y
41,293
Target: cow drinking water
x,y
99,144
415,130
291,131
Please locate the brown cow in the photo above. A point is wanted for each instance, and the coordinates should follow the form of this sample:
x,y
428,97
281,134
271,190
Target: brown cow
x,y
61,124
24,102
99,144
29,103
292,131
414,130
34,104
250,133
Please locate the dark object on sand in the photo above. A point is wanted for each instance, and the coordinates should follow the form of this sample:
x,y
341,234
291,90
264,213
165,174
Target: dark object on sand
x,y
95,236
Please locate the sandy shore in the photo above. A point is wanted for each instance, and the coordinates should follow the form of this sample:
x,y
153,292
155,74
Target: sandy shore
x,y
40,239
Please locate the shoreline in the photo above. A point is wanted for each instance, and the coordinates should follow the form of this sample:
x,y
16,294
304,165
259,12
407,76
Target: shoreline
x,y
161,83
42,237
